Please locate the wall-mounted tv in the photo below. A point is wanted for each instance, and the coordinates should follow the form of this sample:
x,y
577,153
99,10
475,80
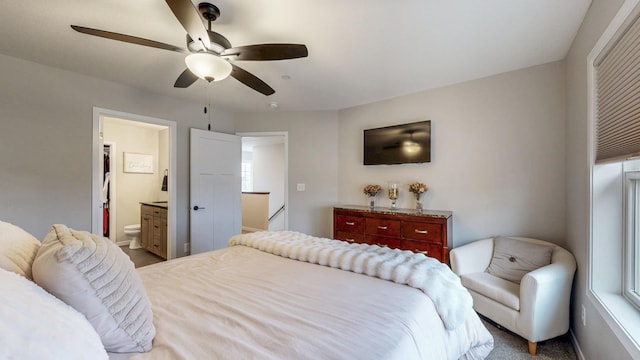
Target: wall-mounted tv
x,y
398,144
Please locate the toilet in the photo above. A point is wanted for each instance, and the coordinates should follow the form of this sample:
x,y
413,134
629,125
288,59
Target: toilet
x,y
133,234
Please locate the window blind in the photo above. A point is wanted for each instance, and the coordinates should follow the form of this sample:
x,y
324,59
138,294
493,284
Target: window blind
x,y
618,98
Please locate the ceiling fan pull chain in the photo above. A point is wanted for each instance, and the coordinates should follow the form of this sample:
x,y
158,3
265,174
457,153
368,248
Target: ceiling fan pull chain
x,y
208,104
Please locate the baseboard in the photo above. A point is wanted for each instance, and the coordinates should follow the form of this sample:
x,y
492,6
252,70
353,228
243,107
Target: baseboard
x,y
576,345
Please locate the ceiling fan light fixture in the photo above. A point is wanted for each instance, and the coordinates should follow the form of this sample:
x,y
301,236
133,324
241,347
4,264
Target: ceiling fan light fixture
x,y
410,147
208,66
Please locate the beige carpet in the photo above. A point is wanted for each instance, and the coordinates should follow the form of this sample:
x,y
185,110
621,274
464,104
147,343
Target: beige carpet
x,y
512,347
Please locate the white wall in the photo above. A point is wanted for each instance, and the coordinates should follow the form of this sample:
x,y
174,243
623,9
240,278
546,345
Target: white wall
x,y
255,211
597,341
497,153
46,142
268,176
313,150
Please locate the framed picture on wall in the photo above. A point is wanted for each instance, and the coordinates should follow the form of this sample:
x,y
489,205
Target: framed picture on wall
x,y
138,163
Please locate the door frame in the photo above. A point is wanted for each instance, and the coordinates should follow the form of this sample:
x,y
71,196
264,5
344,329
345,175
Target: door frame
x,y
97,169
285,134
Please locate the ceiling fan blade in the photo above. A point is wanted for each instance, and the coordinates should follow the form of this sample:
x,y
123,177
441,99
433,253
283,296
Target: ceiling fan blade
x,y
267,52
251,80
188,16
127,38
185,79
214,37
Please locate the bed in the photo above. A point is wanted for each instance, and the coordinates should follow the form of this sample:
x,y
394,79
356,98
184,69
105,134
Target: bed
x,y
254,300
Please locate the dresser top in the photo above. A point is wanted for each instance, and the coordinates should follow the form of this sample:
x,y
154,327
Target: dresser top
x,y
160,204
385,210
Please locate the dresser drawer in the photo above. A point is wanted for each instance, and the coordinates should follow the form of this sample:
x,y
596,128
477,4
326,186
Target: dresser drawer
x,y
384,227
429,249
352,224
391,242
422,231
350,237
404,229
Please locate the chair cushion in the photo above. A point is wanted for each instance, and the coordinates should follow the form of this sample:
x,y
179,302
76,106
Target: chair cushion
x,y
502,291
99,280
512,258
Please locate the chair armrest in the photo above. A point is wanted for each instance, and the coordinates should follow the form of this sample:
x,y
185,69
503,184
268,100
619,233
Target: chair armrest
x,y
471,258
545,294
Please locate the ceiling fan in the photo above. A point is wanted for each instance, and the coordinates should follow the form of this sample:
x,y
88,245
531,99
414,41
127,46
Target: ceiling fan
x,y
208,52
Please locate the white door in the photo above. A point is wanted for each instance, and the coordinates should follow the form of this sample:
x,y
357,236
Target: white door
x,y
215,189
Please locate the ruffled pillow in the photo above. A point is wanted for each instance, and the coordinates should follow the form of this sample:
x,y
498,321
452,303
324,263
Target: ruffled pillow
x,y
98,279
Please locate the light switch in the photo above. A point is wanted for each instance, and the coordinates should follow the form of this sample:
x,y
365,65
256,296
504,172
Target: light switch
x,y
300,187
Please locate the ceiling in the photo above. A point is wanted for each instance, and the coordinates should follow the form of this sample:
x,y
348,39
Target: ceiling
x,y
360,51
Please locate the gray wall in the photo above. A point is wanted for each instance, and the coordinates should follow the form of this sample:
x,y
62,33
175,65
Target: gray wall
x,y
596,341
46,140
313,154
497,153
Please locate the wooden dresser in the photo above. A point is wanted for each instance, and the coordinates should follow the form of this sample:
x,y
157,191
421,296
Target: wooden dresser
x,y
428,232
153,228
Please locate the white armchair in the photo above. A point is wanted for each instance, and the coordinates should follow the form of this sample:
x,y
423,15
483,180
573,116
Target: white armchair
x,y
536,309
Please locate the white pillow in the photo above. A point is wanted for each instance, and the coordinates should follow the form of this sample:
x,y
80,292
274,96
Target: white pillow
x,y
97,278
36,325
18,248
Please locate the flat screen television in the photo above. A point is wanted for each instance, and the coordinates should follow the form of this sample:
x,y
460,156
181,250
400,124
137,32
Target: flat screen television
x,y
398,144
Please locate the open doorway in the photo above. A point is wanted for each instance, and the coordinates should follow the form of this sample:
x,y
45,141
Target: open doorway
x,y
264,181
133,164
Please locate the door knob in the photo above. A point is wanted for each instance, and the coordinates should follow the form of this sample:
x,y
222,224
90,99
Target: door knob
x,y
196,208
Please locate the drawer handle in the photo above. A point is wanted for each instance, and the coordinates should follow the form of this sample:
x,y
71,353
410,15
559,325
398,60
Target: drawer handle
x,y
350,240
350,223
421,251
382,227
421,231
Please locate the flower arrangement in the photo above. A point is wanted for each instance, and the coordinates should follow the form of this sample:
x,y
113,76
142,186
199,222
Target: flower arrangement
x,y
418,188
372,190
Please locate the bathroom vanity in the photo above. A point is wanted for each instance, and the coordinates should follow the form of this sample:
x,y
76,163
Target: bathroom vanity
x,y
153,227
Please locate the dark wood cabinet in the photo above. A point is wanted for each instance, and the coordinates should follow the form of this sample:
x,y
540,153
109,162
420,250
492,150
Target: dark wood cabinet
x,y
428,232
153,229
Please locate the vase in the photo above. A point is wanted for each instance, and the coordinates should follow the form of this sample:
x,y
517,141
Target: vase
x,y
393,193
418,202
372,202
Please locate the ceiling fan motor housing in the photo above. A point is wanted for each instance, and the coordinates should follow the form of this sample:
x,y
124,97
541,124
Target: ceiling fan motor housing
x,y
209,11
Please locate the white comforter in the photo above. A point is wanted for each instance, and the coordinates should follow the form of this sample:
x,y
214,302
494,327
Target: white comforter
x,y
453,302
242,303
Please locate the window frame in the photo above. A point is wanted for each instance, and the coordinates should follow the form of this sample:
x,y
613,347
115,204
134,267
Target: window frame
x,y
246,174
606,227
631,248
